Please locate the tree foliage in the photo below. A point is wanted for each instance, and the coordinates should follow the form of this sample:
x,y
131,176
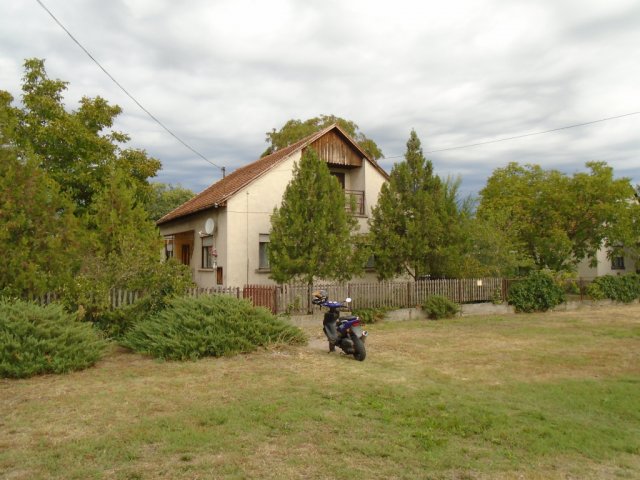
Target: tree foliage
x,y
558,220
418,225
76,148
165,198
73,201
39,233
295,130
311,232
538,292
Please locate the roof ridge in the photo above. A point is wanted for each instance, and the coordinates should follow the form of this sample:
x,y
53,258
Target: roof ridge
x,y
218,192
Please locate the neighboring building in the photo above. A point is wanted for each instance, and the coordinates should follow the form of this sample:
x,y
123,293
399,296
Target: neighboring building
x,y
223,232
617,265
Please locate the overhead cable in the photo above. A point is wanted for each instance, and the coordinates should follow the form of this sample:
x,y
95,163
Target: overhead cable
x,y
525,135
153,117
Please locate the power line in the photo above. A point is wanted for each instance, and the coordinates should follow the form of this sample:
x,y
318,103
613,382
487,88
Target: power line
x,y
525,135
153,117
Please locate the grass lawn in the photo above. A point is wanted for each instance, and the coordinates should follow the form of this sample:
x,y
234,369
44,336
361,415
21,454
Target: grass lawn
x,y
553,396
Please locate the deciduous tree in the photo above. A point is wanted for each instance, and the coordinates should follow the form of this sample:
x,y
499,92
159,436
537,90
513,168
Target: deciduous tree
x,y
78,147
165,198
294,130
39,233
558,219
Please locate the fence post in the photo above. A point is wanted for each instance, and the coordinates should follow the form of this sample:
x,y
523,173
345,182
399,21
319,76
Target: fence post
x,y
503,293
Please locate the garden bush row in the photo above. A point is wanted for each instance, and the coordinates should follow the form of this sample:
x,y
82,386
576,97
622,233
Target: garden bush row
x,y
620,288
38,339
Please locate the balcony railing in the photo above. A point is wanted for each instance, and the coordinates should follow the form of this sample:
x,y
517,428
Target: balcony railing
x,y
354,201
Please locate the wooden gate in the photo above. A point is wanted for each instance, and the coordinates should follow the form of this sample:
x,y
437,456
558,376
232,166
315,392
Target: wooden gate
x,y
262,296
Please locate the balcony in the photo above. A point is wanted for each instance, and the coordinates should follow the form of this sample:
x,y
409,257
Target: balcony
x,y
354,202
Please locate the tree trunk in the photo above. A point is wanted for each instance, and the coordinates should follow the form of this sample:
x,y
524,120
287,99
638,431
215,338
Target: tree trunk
x,y
309,290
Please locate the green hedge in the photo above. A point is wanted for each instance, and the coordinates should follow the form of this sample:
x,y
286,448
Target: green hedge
x,y
437,307
371,315
538,292
620,288
192,328
36,340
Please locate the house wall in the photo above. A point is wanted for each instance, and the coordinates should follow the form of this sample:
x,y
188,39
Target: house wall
x,y
249,211
603,266
248,216
187,231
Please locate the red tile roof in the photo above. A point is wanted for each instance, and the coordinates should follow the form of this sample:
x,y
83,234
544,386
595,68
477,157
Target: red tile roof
x,y
219,192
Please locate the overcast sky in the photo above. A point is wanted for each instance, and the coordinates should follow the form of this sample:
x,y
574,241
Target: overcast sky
x,y
221,73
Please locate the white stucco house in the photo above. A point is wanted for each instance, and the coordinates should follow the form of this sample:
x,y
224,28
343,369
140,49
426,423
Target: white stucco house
x,y
223,232
607,265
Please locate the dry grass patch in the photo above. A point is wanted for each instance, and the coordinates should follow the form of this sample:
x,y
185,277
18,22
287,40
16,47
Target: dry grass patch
x,y
526,396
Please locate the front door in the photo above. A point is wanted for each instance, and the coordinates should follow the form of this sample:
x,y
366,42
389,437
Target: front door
x,y
185,255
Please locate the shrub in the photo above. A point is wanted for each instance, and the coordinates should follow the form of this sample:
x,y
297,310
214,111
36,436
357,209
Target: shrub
x,y
371,315
623,288
117,322
437,307
36,340
192,328
536,293
568,282
89,294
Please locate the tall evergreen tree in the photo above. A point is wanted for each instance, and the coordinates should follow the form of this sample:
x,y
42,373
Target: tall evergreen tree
x,y
416,226
312,233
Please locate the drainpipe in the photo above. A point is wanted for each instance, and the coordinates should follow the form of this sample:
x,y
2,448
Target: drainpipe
x,y
247,238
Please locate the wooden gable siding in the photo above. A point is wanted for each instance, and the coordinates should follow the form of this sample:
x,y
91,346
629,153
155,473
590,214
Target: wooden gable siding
x,y
335,151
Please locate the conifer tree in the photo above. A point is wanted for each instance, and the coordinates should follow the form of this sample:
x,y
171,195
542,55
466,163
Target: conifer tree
x,y
126,243
312,233
416,225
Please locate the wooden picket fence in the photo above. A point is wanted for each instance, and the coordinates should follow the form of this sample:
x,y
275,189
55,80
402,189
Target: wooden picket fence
x,y
295,298
292,298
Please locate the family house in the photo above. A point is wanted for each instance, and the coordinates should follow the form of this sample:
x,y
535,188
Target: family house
x,y
223,232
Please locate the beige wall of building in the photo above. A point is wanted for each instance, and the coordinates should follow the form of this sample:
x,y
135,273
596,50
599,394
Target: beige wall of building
x,y
249,216
605,266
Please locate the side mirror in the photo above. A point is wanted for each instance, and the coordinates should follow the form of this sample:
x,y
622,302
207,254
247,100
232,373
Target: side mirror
x,y
348,300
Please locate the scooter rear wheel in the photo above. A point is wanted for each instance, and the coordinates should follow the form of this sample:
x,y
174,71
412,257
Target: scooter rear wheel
x,y
359,352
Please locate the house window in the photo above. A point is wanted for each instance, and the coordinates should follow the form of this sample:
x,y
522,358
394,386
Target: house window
x,y
208,252
617,263
263,252
168,247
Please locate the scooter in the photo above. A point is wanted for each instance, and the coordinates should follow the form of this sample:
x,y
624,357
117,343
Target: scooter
x,y
345,332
